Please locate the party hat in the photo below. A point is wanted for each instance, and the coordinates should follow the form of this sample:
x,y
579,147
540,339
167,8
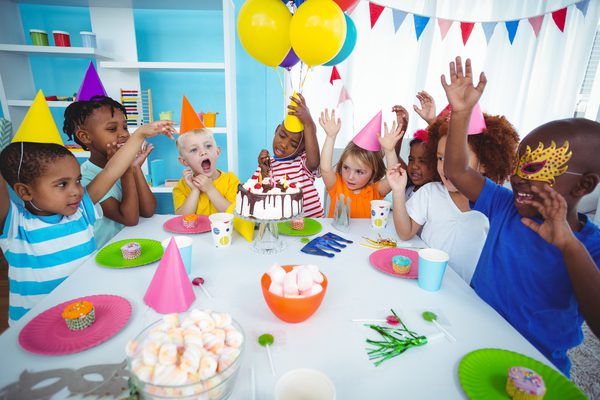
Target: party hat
x,y
476,123
367,138
91,85
291,122
38,125
189,119
170,290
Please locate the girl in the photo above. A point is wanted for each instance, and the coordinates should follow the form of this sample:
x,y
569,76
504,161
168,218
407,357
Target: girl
x,y
444,213
94,124
358,174
421,166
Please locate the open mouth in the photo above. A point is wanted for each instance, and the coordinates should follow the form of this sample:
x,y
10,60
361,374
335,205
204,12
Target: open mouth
x,y
278,152
523,198
206,165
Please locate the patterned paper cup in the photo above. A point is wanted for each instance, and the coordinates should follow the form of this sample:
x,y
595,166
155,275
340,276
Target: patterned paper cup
x,y
221,226
380,209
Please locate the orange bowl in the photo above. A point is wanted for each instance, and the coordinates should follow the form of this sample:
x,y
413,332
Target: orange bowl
x,y
292,309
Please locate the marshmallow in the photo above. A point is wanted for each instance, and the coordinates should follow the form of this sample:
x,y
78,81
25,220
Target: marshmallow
x,y
276,288
305,279
290,284
171,320
143,372
161,374
276,273
208,367
227,358
150,352
221,319
167,354
131,348
316,289
190,360
233,339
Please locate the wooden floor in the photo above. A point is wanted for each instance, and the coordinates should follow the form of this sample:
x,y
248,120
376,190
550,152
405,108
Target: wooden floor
x,y
3,293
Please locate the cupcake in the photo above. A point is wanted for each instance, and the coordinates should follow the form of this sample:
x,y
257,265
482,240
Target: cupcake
x,y
401,264
190,221
525,384
131,250
298,222
79,315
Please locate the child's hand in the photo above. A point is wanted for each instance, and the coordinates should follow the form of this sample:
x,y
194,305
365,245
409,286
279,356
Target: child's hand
x,y
390,136
553,208
111,149
397,177
329,123
155,128
202,182
264,162
461,93
427,110
142,155
401,117
301,110
188,176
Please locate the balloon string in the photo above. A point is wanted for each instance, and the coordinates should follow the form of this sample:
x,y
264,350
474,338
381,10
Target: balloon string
x,y
300,76
304,80
279,77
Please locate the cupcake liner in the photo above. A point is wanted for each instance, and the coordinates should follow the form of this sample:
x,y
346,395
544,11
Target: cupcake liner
x,y
77,324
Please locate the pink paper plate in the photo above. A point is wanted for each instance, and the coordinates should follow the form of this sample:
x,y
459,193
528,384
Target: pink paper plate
x,y
48,333
175,225
382,260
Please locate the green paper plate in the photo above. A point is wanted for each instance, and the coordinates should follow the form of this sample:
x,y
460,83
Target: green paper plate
x,y
311,227
110,256
482,374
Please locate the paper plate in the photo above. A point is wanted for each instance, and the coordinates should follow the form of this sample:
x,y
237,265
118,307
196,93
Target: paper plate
x,y
110,256
482,374
311,227
48,333
382,260
175,225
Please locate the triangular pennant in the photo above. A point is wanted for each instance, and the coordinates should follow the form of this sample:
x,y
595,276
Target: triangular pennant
x,y
444,25
38,126
420,24
511,27
559,17
466,28
189,119
488,29
91,85
375,10
583,6
536,23
398,18
344,95
351,9
335,75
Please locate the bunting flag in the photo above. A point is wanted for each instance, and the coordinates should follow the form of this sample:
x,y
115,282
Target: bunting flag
x,y
375,10
420,24
536,23
559,17
583,6
511,27
344,95
335,75
398,19
351,9
444,25
466,28
488,29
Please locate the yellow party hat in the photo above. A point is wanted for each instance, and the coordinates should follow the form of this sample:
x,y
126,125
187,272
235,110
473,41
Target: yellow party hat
x,y
38,125
291,122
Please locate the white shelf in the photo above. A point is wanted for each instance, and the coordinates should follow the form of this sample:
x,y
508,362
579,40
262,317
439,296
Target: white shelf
x,y
161,189
158,65
28,103
146,4
217,130
55,51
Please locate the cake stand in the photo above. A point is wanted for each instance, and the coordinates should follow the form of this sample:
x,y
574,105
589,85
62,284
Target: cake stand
x,y
267,240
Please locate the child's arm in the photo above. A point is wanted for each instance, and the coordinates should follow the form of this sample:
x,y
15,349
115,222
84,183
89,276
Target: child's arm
x,y
427,110
190,205
311,144
462,96
146,199
117,165
4,202
402,121
584,274
332,128
406,228
205,184
388,143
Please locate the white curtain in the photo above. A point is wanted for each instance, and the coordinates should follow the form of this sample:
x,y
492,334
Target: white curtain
x,y
531,81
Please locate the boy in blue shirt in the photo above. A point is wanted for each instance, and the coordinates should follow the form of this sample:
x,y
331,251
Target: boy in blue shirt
x,y
539,265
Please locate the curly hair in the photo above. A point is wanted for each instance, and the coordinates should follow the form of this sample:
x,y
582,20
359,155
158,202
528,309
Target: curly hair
x,y
496,147
372,159
24,162
78,112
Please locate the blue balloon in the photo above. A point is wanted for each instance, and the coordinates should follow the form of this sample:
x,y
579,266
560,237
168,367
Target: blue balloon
x,y
348,45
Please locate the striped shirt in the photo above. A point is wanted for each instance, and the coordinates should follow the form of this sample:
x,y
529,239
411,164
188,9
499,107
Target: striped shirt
x,y
42,251
296,171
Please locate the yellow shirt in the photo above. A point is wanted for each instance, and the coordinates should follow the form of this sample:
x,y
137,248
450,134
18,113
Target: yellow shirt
x,y
227,184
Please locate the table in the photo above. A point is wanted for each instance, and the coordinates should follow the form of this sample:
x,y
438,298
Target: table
x,y
328,341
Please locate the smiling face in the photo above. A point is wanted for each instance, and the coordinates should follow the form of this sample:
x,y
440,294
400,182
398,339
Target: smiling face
x,y
102,127
419,170
355,174
441,151
200,152
286,143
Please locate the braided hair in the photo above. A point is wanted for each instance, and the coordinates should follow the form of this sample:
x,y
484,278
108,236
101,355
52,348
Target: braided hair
x,y
23,162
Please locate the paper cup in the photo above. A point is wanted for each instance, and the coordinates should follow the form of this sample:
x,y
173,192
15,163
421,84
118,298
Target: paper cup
x,y
432,265
184,244
165,115
62,38
304,383
38,37
221,226
380,210
210,119
88,39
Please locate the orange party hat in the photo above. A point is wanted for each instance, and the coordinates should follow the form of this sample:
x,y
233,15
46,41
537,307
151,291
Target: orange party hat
x,y
189,119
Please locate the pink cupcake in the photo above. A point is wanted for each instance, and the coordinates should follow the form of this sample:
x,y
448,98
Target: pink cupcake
x,y
131,250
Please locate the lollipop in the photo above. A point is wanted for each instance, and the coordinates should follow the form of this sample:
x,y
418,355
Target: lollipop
x,y
432,317
200,282
265,340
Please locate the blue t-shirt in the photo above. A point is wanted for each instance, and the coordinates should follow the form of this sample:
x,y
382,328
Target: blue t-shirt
x,y
524,278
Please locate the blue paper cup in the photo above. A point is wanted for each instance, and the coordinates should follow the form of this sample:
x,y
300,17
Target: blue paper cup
x,y
432,265
157,172
184,244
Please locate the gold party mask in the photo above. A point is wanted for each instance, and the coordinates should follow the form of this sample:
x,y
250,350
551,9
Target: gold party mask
x,y
544,164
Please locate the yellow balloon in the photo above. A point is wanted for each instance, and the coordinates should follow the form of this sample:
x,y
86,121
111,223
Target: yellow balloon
x,y
263,27
318,31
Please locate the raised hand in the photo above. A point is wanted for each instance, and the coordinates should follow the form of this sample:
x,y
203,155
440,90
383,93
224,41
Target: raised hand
x,y
155,128
427,110
461,93
142,155
188,176
390,136
329,123
401,117
300,110
264,162
397,177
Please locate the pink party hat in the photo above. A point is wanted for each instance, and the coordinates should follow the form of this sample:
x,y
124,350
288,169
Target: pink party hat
x,y
170,290
367,138
91,85
476,124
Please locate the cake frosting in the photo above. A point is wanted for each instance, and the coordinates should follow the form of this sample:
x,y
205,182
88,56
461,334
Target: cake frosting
x,y
79,315
523,383
264,199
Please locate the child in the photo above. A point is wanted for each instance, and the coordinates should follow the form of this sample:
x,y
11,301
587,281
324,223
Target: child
x,y
94,124
359,172
440,209
203,189
296,154
45,240
534,269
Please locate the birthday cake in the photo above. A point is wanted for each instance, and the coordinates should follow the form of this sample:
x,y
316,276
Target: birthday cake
x,y
269,199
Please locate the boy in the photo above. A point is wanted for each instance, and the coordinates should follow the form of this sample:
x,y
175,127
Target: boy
x,y
538,267
203,189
